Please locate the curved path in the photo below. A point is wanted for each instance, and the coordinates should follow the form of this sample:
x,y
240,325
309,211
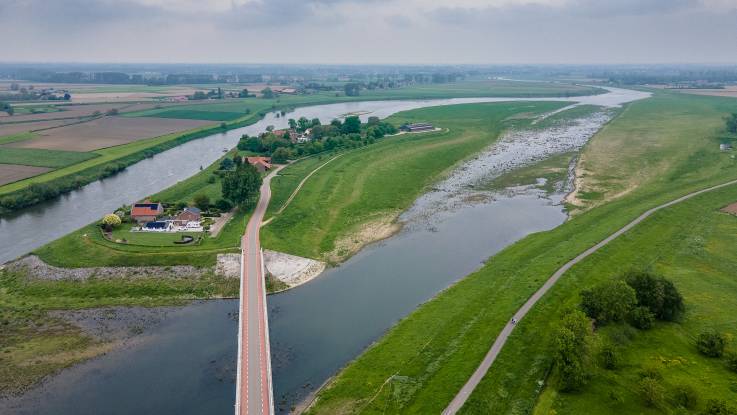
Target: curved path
x,y
253,383
460,399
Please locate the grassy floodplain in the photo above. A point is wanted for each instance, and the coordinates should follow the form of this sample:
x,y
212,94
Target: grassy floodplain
x,y
240,112
356,197
420,364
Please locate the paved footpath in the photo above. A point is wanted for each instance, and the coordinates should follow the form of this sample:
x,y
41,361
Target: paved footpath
x,y
253,385
460,399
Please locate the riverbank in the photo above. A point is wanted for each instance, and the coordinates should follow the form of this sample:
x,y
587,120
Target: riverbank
x,y
427,357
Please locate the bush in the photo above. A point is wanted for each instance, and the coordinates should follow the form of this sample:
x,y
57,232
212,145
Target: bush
x,y
685,396
642,318
717,407
657,294
731,361
224,205
572,348
607,302
651,391
610,357
711,343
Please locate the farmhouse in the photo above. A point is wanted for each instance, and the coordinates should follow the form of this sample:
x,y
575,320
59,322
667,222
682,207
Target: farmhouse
x,y
146,211
290,134
417,127
189,214
262,164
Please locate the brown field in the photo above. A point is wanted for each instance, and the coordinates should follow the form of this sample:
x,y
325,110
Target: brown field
x,y
77,111
10,173
728,91
106,132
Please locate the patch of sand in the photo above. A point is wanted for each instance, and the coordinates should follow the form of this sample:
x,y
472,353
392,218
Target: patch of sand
x,y
367,233
291,269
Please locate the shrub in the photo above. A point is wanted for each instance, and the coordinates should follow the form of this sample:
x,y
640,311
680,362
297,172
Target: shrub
x,y
657,294
223,205
711,343
731,361
717,407
609,301
610,356
642,318
111,221
685,396
202,201
651,391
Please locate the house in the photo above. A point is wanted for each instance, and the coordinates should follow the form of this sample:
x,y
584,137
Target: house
x,y
305,137
146,211
417,127
189,214
262,164
290,134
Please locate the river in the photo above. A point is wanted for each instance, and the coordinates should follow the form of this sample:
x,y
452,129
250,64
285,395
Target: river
x,y
186,364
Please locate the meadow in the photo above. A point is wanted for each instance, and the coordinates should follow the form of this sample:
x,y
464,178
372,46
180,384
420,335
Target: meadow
x,y
356,197
42,158
420,364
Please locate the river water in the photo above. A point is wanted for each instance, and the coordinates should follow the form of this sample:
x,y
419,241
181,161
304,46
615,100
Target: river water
x,y
187,364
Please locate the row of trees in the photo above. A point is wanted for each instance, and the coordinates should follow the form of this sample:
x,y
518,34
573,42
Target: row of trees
x,y
350,133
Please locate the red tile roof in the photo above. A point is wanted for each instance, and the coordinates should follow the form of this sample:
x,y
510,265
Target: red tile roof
x,y
145,209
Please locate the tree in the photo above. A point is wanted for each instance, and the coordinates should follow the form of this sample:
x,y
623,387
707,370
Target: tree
x,y
111,221
351,124
642,318
572,349
280,155
658,294
226,164
241,185
352,89
373,120
223,205
717,407
4,106
243,93
732,123
315,122
711,343
610,356
202,201
303,123
607,302
292,123
267,93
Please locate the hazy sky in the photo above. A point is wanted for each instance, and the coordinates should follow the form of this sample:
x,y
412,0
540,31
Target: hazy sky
x,y
370,31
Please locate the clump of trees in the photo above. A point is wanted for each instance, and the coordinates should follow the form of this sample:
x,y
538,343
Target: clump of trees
x,y
5,107
350,133
241,186
572,344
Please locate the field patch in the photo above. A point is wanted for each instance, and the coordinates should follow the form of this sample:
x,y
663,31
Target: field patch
x,y
10,173
42,158
198,115
106,132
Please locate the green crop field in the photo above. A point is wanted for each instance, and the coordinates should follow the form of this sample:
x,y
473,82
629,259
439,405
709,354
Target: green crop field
x,y
374,184
42,158
424,360
199,115
16,137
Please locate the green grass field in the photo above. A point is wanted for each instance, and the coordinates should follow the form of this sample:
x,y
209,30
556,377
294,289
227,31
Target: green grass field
x,y
425,359
42,158
199,115
367,188
153,239
16,137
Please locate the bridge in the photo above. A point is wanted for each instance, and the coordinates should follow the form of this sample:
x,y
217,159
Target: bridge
x,y
254,395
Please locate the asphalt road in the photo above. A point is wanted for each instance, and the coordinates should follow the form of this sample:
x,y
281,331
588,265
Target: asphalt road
x,y
254,388
460,399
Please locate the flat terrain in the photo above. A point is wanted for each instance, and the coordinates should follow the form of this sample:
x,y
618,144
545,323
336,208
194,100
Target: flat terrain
x,y
422,362
105,132
41,157
355,199
12,172
728,91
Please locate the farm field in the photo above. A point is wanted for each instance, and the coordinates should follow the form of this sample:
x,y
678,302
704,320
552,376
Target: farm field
x,y
105,132
420,364
13,172
42,158
355,199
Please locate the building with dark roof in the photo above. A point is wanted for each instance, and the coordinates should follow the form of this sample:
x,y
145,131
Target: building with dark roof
x,y
146,211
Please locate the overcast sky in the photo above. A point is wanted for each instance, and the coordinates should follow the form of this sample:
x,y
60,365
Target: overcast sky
x,y
370,31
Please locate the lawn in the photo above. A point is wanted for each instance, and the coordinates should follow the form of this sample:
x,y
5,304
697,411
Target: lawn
x,y
366,189
153,239
425,359
42,158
